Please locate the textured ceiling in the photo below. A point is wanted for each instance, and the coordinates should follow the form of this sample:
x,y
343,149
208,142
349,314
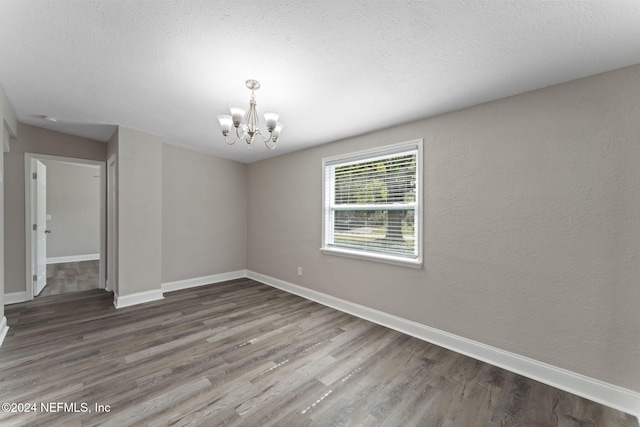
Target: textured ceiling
x,y
332,68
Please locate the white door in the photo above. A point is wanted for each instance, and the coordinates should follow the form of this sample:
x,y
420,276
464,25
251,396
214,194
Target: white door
x,y
40,273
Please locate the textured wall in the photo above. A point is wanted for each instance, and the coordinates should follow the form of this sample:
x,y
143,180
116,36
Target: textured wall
x,y
8,127
5,137
41,141
204,215
7,115
532,232
112,253
139,211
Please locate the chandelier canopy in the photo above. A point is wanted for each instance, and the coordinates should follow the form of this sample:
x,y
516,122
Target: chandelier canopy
x,y
246,122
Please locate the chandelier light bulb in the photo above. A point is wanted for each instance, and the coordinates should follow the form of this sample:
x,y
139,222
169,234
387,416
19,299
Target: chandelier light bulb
x,y
237,113
276,131
271,118
226,123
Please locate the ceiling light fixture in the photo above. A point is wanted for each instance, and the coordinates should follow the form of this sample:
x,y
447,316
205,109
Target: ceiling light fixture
x,y
249,129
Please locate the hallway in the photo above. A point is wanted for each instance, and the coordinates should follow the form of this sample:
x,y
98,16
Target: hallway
x,y
71,277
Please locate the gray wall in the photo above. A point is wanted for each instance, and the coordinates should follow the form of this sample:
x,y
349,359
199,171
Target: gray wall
x,y
8,128
73,201
112,152
139,211
204,215
181,214
532,232
33,140
4,143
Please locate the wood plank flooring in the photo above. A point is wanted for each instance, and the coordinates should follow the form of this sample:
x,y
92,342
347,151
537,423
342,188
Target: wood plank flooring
x,y
241,353
69,277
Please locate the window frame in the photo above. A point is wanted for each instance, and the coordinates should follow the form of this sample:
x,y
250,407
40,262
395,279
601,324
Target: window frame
x,y
328,193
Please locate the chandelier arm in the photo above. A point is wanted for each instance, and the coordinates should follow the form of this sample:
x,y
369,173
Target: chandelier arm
x,y
236,139
266,143
226,139
268,138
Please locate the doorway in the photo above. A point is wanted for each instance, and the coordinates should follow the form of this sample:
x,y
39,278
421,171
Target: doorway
x,y
77,254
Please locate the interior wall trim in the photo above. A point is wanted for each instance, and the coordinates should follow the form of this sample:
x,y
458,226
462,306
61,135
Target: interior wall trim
x,y
3,329
29,161
201,281
590,388
598,391
73,258
15,297
137,298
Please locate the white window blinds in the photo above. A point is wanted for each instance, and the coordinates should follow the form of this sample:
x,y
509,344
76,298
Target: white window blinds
x,y
372,202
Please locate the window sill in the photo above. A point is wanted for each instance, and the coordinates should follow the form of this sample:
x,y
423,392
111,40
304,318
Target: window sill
x,y
404,262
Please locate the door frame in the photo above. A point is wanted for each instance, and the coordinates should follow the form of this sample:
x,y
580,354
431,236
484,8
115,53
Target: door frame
x,y
112,225
29,161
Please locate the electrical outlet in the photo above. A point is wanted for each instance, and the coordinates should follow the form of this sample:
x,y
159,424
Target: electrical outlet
x,y
299,271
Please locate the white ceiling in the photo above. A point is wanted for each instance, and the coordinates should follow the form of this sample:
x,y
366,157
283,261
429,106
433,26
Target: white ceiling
x,y
332,68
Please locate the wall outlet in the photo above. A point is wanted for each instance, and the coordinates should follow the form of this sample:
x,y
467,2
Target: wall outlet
x,y
299,271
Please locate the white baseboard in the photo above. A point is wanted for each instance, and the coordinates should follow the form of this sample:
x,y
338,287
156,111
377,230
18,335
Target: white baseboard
x,y
581,385
598,391
154,295
137,298
73,258
201,281
15,297
3,329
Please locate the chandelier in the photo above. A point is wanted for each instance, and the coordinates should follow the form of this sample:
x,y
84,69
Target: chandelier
x,y
248,129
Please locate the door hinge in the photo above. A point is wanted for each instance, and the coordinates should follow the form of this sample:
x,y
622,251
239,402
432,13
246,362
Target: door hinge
x,y
35,227
35,278
34,175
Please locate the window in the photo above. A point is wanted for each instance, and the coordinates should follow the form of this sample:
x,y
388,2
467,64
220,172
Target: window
x,y
372,204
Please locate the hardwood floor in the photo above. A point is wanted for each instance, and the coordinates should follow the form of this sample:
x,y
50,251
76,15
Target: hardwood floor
x,y
71,277
243,353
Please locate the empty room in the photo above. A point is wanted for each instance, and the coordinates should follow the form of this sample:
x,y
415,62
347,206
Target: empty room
x,y
320,213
